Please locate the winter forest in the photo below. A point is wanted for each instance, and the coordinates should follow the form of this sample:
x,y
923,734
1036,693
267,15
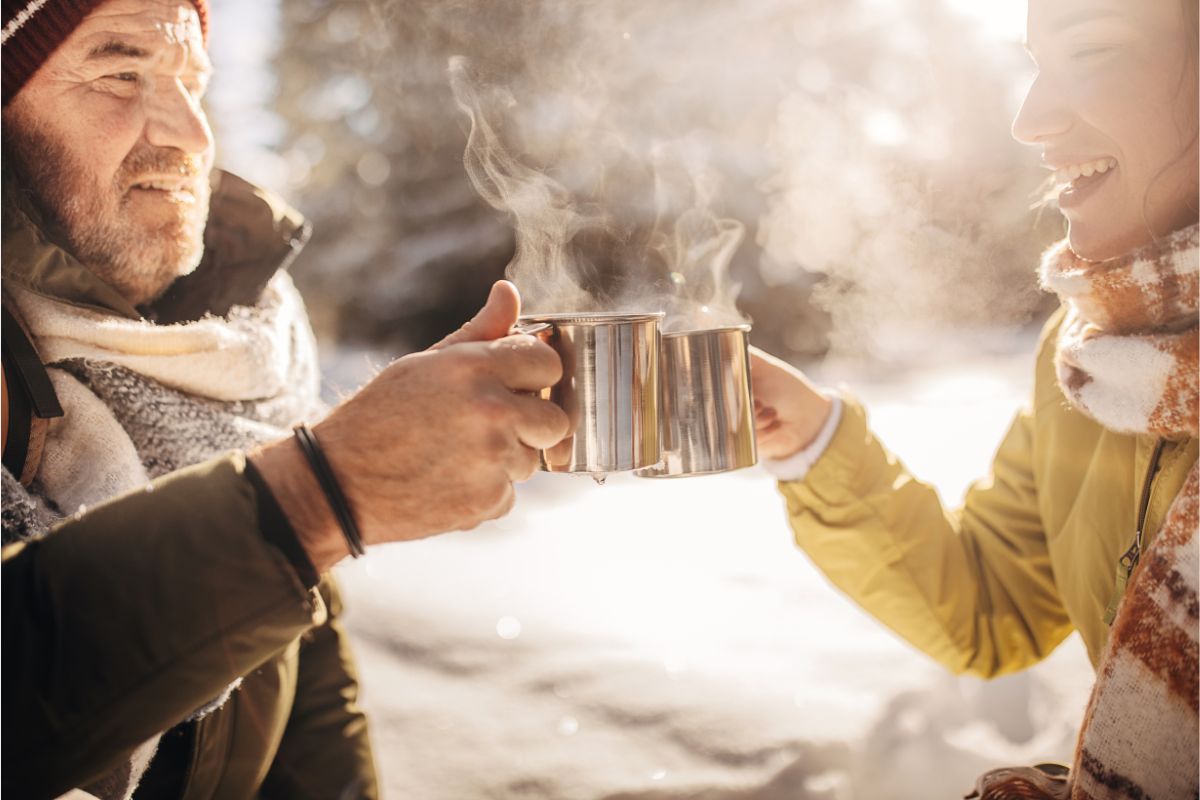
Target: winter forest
x,y
863,145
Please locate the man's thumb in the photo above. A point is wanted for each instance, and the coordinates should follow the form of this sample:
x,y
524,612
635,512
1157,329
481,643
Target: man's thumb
x,y
493,321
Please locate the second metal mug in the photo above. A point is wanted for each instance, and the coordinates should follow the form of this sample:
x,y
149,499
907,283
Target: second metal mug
x,y
708,407
609,389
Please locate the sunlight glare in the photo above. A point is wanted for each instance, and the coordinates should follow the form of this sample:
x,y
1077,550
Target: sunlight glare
x,y
1002,19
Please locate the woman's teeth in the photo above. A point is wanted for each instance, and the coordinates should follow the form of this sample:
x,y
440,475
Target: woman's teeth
x,y
1086,170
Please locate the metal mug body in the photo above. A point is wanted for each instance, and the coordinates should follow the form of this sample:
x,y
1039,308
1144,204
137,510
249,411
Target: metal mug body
x,y
609,389
708,406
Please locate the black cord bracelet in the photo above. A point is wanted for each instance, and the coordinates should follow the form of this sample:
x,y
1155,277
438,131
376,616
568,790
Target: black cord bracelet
x,y
329,485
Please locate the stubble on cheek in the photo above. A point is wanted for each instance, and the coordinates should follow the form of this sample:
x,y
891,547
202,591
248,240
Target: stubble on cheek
x,y
138,246
161,235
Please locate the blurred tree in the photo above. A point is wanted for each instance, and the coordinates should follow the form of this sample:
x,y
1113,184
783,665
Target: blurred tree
x,y
864,144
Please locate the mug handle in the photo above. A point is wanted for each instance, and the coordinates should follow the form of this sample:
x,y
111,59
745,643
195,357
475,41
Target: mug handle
x,y
530,328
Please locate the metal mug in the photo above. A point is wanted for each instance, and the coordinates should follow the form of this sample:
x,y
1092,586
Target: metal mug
x,y
708,407
609,389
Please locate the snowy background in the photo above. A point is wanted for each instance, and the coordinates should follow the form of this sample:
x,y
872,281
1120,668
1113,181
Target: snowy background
x,y
666,640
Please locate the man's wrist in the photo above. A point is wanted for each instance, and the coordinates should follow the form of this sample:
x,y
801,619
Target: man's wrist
x,y
289,477
274,526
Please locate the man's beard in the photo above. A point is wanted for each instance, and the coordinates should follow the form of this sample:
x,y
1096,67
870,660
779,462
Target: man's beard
x,y
139,258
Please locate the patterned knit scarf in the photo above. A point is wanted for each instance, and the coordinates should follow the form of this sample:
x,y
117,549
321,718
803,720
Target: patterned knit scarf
x,y
1127,357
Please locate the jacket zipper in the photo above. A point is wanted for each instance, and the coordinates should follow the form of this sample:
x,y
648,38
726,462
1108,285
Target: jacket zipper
x,y
1131,556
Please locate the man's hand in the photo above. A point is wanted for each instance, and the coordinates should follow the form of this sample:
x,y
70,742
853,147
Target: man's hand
x,y
433,443
494,320
789,412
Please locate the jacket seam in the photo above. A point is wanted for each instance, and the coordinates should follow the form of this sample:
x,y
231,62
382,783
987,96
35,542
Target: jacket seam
x,y
907,568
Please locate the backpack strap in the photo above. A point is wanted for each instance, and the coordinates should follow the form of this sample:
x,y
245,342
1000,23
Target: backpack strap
x,y
29,398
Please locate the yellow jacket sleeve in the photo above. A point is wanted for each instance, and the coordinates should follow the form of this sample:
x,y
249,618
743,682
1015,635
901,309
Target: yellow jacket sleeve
x,y
973,588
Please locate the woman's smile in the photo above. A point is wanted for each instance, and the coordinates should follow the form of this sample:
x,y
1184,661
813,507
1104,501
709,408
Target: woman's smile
x,y
1077,180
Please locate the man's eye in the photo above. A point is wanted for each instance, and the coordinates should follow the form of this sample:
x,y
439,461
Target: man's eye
x,y
124,77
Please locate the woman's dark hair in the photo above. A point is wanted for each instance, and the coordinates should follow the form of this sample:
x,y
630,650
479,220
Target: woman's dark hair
x,y
1191,32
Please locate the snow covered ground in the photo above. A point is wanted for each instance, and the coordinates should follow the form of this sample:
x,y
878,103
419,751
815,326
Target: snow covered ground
x,y
663,640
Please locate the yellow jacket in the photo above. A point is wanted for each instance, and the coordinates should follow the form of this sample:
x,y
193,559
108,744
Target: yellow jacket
x,y
1033,553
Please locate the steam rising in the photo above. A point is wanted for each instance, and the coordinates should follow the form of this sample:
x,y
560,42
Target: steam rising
x,y
864,143
900,247
598,248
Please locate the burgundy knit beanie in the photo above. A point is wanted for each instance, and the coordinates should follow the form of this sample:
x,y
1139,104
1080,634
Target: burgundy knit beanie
x,y
33,29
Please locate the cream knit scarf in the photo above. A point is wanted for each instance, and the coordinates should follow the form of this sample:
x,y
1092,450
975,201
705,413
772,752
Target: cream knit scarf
x,y
142,400
1127,357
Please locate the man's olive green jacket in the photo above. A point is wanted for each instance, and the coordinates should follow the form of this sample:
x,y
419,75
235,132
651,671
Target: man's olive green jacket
x,y
125,620
1033,553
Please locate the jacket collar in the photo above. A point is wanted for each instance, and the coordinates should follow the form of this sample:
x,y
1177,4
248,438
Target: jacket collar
x,y
250,235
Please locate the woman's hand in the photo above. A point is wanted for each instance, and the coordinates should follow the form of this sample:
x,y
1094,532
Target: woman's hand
x,y
789,411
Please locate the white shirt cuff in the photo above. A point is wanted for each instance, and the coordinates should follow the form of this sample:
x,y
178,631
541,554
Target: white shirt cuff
x,y
797,466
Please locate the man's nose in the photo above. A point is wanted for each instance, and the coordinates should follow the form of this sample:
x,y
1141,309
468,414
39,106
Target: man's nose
x,y
1043,114
175,118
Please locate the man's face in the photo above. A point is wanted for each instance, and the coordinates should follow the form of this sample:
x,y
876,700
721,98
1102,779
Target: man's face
x,y
111,139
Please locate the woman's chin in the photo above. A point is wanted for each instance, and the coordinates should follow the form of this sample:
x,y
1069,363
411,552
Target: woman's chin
x,y
1100,233
1102,242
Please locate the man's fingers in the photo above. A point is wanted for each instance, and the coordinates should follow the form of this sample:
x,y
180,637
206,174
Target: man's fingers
x,y
493,321
502,498
522,463
539,423
525,364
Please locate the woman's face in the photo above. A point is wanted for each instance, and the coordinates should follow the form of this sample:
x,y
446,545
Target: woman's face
x,y
1114,110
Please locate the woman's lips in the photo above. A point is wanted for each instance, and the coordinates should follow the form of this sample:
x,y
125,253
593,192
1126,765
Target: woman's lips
x,y
1070,171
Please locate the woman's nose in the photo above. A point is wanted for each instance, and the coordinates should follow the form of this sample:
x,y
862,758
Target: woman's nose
x,y
176,119
1043,114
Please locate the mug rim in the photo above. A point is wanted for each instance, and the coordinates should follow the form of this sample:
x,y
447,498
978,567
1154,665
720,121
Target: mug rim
x,y
744,327
594,317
